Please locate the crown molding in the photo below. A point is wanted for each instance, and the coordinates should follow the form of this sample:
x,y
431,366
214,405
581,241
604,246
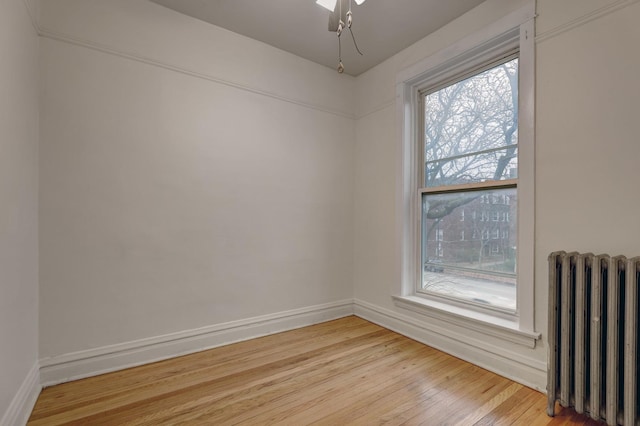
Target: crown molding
x,y
32,11
584,19
89,44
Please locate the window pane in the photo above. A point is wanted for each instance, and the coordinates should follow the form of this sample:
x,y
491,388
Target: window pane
x,y
472,116
495,165
481,266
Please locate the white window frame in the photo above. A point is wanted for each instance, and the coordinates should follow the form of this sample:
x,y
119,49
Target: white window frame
x,y
513,32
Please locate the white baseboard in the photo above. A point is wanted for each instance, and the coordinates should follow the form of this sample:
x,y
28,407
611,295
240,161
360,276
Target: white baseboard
x,y
92,362
22,404
527,371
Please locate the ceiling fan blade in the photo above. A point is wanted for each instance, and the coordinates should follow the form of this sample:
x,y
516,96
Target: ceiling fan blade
x,y
333,21
334,17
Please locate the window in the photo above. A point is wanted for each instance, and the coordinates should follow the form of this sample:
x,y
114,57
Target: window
x,y
461,215
462,235
470,149
467,136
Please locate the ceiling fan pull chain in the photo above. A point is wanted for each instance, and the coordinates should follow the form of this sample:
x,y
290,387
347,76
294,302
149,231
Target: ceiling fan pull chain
x,y
340,64
340,21
349,23
339,32
354,42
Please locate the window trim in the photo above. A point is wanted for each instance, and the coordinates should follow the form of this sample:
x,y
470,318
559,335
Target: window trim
x,y
513,32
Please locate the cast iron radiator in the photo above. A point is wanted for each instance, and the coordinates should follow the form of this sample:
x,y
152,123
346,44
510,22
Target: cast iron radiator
x,y
593,336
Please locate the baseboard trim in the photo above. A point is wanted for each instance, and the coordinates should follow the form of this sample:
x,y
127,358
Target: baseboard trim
x,y
92,362
527,371
25,399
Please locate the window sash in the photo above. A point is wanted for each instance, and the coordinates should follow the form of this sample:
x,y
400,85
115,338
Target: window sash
x,y
493,184
430,88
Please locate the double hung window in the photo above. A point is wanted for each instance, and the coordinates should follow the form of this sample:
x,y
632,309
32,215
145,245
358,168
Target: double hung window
x,y
467,169
469,148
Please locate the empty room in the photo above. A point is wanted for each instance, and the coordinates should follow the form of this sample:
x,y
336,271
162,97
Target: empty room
x,y
324,212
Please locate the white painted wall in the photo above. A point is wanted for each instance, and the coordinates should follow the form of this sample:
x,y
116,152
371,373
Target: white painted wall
x,y
587,133
189,176
588,143
18,204
586,160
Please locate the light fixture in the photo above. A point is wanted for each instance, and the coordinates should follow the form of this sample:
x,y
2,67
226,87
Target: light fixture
x,y
337,23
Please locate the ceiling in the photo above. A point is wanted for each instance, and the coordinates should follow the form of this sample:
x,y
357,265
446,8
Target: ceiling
x,y
382,27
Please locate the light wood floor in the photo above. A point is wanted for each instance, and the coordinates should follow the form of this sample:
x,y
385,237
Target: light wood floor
x,y
347,371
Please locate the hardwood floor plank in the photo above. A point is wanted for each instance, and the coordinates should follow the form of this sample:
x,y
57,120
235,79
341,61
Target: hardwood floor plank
x,y
347,371
514,416
397,391
373,380
211,364
449,392
218,378
504,412
224,360
276,387
495,400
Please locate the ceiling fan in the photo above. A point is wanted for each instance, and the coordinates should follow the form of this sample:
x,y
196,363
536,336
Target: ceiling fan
x,y
340,18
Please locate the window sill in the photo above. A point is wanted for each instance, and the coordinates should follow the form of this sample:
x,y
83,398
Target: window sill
x,y
501,328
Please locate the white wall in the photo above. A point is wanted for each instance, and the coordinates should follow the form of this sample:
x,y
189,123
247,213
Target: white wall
x,y
18,207
588,144
586,154
189,177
